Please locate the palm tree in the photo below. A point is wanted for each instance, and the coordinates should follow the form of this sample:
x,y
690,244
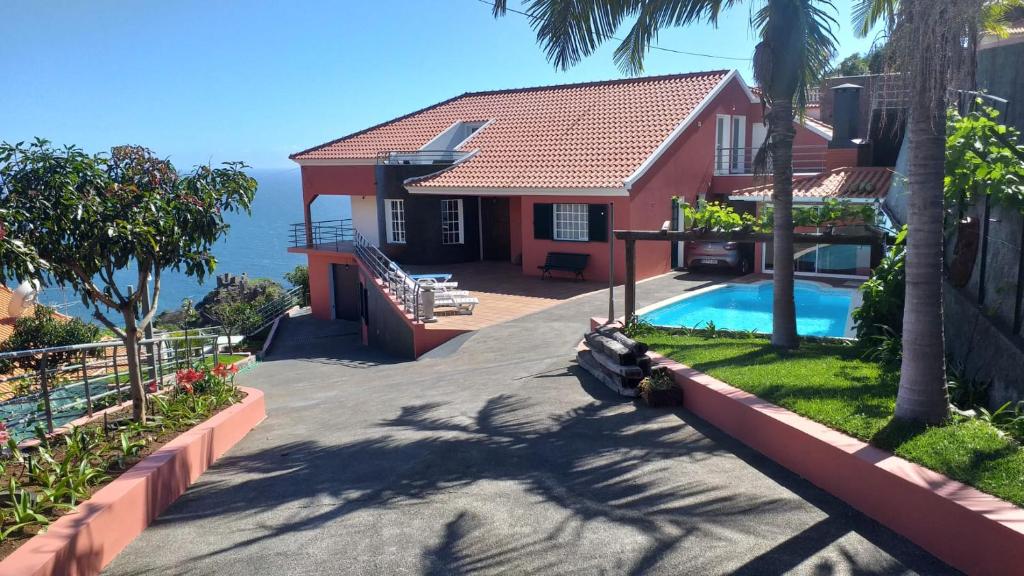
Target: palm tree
x,y
796,46
927,48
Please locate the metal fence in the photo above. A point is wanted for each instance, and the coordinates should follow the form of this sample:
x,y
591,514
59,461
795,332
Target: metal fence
x,y
322,234
53,386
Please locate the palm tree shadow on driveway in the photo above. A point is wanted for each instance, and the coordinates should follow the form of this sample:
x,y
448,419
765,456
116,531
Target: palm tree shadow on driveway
x,y
602,467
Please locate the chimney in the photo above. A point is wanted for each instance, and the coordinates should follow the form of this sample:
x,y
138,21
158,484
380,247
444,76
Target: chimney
x,y
845,116
847,139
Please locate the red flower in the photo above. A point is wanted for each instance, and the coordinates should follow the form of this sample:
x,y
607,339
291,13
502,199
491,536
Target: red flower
x,y
223,370
186,387
151,387
189,376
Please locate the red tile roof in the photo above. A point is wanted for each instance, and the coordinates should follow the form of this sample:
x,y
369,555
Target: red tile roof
x,y
593,135
839,183
6,322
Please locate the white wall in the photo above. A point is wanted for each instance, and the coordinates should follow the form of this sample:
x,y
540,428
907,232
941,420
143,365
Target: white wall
x,y
364,217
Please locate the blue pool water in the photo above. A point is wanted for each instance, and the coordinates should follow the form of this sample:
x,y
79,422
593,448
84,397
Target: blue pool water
x,y
820,311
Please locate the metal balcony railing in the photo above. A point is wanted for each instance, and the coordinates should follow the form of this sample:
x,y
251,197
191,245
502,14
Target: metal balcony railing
x,y
420,156
325,234
806,159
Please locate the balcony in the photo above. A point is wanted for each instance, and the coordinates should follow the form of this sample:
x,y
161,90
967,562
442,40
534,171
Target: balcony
x,y
809,159
331,235
400,157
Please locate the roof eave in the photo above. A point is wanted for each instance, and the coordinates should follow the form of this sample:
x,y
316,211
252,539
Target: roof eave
x,y
500,191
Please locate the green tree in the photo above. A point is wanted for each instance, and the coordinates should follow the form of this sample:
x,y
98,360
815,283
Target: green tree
x,y
853,65
44,329
795,48
237,317
299,277
88,216
17,260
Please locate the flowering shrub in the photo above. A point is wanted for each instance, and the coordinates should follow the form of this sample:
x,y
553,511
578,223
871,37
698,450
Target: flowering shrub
x,y
49,479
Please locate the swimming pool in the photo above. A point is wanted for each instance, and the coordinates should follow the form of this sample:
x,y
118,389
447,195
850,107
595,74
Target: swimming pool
x,y
821,310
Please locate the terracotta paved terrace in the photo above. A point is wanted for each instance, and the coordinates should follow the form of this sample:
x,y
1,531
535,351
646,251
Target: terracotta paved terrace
x,y
505,293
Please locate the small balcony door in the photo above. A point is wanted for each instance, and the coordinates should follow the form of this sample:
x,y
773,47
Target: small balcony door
x,y
722,148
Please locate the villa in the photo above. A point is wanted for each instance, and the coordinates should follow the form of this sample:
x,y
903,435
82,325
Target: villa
x,y
517,175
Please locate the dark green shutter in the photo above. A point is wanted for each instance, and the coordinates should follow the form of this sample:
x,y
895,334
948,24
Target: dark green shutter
x,y
597,222
543,221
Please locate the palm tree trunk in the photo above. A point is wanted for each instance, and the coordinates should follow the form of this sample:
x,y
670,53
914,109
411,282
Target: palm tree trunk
x,y
922,393
783,306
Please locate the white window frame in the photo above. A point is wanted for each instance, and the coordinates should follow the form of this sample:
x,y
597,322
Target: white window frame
x,y
575,219
723,128
738,138
394,221
446,211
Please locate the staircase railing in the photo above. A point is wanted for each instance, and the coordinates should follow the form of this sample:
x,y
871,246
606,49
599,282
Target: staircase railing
x,y
404,289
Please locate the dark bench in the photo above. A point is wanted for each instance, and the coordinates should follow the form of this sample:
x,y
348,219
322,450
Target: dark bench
x,y
565,262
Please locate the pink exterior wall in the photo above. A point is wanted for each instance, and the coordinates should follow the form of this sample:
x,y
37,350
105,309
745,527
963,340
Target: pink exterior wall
x,y
535,251
684,170
320,280
338,180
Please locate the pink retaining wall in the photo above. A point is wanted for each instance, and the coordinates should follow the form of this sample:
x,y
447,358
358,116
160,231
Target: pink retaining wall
x,y
86,540
971,530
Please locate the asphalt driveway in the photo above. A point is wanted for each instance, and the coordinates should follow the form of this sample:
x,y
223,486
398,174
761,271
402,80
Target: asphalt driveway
x,y
495,454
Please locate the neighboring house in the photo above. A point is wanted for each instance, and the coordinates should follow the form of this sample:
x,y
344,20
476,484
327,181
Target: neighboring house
x,y
512,175
6,320
9,314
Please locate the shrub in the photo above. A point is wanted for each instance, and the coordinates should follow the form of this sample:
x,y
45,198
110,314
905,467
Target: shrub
x,y
658,380
881,313
44,329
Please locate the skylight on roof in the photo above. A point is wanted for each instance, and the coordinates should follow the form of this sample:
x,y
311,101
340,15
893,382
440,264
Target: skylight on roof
x,y
454,136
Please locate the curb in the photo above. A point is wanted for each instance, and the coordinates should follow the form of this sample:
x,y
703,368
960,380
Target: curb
x,y
973,531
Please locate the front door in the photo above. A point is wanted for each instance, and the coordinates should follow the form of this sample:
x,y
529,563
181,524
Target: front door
x,y
495,230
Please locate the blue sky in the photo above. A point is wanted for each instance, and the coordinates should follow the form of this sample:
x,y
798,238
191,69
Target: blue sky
x,y
255,80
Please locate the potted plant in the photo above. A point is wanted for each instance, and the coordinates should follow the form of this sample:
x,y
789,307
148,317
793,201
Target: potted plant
x,y
659,389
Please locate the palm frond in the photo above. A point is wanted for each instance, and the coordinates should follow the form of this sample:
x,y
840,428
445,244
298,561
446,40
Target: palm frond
x,y
652,16
867,13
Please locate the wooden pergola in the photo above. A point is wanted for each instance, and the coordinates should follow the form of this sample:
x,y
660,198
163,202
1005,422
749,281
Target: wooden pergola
x,y
875,239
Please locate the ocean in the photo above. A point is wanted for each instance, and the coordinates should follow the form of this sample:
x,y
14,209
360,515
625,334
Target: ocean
x,y
256,244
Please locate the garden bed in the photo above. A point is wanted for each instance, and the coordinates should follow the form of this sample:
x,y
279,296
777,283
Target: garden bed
x,y
88,492
832,384
829,383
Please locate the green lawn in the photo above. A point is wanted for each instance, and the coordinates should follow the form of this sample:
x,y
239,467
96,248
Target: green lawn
x,y
830,383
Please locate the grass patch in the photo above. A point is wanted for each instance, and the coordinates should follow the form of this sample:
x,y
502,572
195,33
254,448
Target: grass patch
x,y
830,383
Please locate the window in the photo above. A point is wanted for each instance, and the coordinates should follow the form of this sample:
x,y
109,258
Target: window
x,y
571,222
451,221
394,221
739,140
